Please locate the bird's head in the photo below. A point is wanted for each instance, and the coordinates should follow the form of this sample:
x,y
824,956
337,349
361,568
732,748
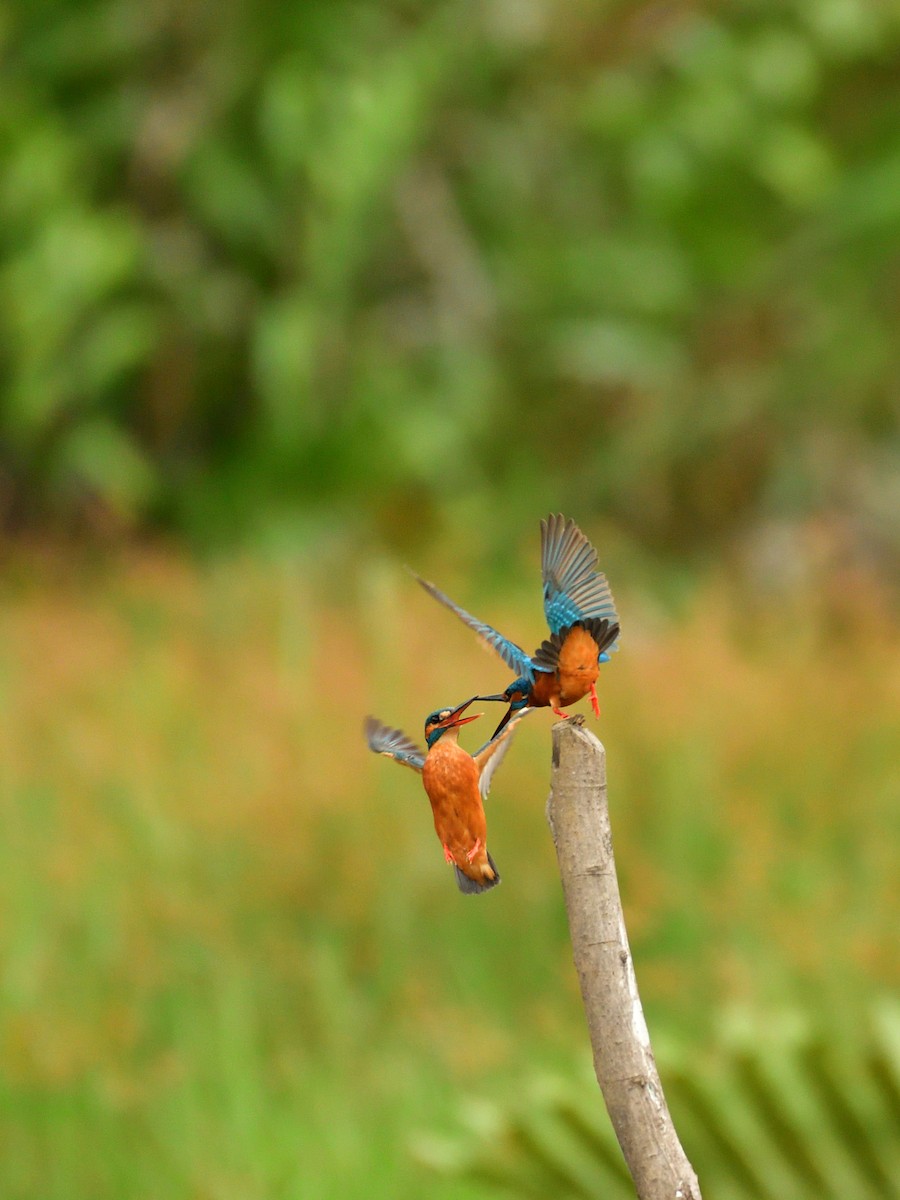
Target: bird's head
x,y
516,696
442,719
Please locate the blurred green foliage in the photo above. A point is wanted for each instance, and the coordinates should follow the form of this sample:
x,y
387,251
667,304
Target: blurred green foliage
x,y
369,258
774,1109
393,268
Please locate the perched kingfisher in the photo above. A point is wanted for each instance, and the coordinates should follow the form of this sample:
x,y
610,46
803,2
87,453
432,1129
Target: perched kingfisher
x,y
583,624
457,784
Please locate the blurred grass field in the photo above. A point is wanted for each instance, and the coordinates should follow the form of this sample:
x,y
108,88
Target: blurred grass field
x,y
321,289
235,965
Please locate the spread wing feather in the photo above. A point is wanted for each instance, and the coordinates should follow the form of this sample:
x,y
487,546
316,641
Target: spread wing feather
x,y
573,587
514,656
394,743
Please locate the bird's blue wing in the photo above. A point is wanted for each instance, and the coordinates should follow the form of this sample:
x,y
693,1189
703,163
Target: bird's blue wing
x,y
394,743
492,753
574,590
514,656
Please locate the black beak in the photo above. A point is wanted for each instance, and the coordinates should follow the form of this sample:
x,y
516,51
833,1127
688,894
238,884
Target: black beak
x,y
503,723
454,718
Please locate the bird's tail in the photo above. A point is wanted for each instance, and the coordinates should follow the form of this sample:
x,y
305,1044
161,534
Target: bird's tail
x,y
471,887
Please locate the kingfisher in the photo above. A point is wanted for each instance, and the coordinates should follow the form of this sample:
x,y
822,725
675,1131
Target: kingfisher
x,y
584,627
457,784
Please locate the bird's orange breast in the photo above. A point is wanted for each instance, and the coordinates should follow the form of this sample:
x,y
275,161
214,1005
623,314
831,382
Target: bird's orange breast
x,y
450,776
578,666
544,690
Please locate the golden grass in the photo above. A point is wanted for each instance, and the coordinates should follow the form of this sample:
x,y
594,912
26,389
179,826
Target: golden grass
x,y
199,851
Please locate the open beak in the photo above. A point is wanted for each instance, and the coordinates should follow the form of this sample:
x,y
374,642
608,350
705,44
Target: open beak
x,y
503,723
455,720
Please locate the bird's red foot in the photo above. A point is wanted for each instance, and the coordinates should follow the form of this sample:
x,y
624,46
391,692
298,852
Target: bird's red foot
x,y
470,854
447,855
595,703
559,712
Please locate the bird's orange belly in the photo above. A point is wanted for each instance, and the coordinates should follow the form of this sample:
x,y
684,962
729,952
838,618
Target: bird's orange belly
x,y
450,777
544,691
575,675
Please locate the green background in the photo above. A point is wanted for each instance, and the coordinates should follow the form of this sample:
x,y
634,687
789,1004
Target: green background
x,y
294,294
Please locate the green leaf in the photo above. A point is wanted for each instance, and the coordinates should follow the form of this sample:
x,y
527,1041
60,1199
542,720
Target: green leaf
x,y
100,457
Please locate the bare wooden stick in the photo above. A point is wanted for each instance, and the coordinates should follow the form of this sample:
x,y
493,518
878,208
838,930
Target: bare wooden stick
x,y
623,1058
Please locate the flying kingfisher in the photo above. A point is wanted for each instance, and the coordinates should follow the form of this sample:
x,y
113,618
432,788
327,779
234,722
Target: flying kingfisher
x,y
584,627
457,784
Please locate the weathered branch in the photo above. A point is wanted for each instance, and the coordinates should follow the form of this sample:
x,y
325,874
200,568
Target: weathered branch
x,y
623,1059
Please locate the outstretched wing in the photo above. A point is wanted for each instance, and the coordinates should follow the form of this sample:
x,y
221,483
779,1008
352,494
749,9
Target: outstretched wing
x,y
394,743
573,587
514,656
492,753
